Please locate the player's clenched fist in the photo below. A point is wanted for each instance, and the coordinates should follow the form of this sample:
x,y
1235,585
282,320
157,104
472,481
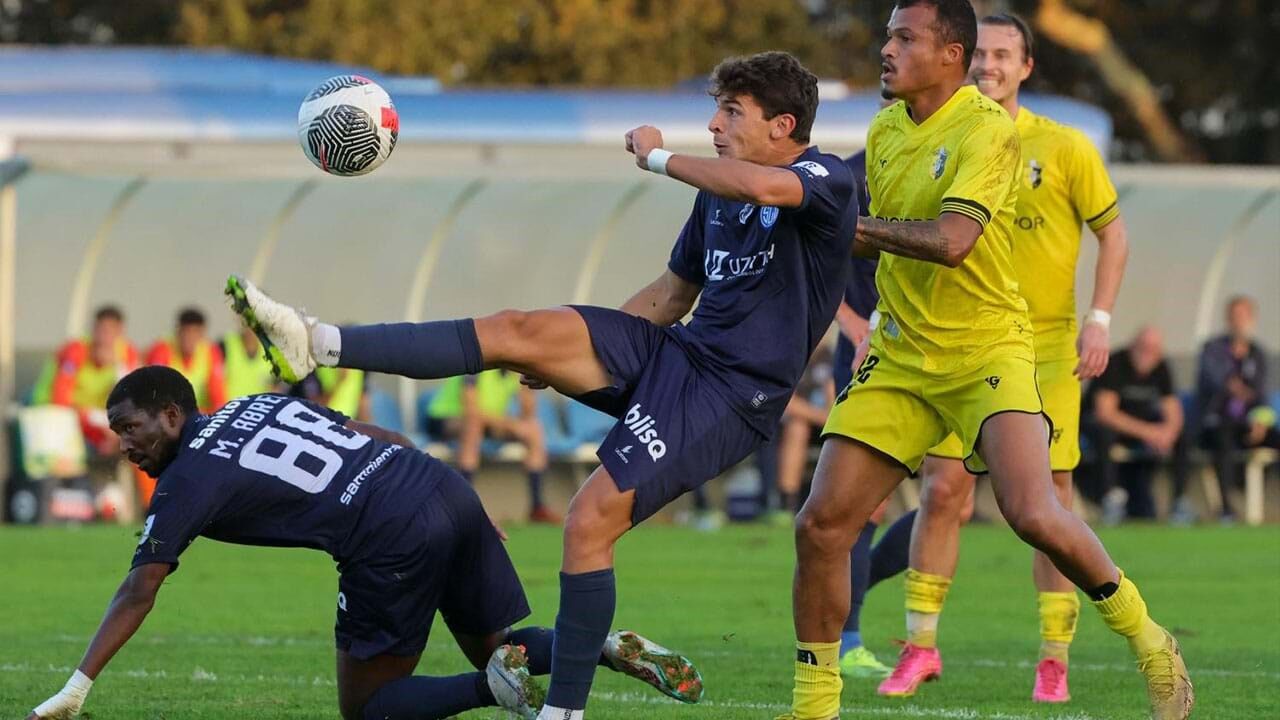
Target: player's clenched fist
x,y
641,140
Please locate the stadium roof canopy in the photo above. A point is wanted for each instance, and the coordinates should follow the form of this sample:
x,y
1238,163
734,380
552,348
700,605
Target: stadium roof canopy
x,y
177,94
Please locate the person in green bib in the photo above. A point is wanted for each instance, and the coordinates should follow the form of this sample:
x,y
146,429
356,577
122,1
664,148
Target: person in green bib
x,y
243,365
494,405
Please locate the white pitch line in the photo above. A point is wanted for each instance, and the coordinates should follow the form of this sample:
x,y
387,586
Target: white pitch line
x,y
862,711
293,641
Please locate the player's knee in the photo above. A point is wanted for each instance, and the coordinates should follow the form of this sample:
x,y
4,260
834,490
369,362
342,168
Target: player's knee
x,y
1034,528
507,330
944,495
819,532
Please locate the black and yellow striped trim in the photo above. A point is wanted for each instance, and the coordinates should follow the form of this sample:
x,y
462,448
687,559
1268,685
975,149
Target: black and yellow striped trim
x,y
969,208
1104,218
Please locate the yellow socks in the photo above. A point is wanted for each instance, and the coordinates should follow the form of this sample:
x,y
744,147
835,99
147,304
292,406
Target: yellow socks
x,y
925,594
817,692
1125,612
1058,614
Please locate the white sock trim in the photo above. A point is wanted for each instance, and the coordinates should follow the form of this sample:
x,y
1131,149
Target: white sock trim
x,y
326,344
550,712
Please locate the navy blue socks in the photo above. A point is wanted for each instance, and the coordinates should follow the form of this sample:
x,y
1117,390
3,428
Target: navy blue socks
x,y
587,602
429,698
892,554
427,350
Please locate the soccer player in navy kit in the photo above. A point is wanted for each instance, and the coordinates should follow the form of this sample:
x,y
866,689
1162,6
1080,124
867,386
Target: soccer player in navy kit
x,y
408,533
766,249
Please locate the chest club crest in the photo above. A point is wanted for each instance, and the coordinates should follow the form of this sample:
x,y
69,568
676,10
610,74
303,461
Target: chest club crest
x,y
939,162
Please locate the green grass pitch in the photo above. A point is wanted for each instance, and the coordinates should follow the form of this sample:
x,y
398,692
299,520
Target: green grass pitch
x,y
244,632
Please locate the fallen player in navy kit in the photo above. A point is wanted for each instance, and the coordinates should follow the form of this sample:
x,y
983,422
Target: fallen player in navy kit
x,y
408,533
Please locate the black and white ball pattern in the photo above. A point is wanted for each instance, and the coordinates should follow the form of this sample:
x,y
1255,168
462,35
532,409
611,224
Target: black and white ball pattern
x,y
348,125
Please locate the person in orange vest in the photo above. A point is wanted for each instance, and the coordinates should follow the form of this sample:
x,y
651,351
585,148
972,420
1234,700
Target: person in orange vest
x,y
192,353
83,372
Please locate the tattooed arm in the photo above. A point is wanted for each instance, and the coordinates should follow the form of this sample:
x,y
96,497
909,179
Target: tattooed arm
x,y
946,241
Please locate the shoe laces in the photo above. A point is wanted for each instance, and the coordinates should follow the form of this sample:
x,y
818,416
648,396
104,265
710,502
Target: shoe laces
x,y
907,659
1050,677
1157,666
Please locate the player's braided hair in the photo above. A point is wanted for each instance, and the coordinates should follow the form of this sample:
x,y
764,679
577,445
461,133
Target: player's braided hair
x,y
153,388
1013,21
956,23
776,81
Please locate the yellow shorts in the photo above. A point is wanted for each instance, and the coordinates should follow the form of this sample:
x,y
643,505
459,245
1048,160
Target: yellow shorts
x,y
1060,389
903,412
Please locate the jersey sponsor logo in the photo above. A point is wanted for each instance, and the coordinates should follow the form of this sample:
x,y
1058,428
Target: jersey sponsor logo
x,y
939,163
1029,223
623,454
717,265
1035,173
357,482
814,169
642,426
993,381
768,215
745,213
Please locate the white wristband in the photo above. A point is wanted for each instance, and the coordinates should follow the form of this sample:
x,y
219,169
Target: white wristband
x,y
657,160
1099,317
874,321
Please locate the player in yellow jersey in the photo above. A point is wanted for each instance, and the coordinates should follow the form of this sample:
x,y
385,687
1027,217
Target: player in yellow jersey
x,y
952,353
1064,185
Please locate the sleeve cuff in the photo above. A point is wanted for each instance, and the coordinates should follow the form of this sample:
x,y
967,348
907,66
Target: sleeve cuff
x,y
969,208
1104,218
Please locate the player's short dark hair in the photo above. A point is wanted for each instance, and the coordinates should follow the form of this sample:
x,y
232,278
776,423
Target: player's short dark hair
x,y
153,388
956,23
108,312
190,316
1013,21
776,81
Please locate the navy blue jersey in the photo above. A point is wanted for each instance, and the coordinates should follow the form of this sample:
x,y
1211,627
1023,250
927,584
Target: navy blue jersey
x,y
279,471
771,281
860,294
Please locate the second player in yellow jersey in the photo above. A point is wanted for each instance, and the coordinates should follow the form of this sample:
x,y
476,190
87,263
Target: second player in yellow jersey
x,y
953,353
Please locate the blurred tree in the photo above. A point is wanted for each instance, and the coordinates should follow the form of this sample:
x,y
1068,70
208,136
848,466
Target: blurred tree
x,y
587,42
1188,79
87,21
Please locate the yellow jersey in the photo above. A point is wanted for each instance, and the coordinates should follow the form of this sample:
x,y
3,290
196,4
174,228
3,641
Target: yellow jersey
x,y
965,158
1064,185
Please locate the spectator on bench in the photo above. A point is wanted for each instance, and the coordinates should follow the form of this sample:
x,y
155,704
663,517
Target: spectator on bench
x,y
82,373
246,370
192,353
471,408
1232,384
1133,405
802,421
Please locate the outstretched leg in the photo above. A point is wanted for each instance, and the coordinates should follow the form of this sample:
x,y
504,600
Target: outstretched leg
x,y
1015,448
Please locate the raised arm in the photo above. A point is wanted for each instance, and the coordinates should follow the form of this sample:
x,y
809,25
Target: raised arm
x,y
129,607
663,301
730,179
945,241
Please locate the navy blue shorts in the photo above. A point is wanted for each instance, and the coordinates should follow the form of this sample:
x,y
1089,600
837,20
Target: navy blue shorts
x,y
675,431
449,558
842,362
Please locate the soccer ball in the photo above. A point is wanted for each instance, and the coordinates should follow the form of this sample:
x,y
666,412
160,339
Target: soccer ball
x,y
347,125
